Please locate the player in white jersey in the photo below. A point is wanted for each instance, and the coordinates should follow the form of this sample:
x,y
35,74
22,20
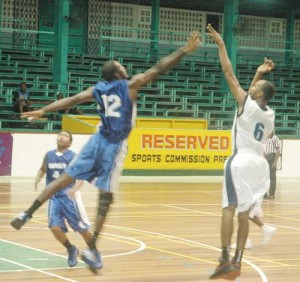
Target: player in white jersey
x,y
256,213
246,171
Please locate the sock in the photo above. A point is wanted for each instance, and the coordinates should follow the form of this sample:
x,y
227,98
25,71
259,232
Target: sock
x,y
92,244
36,204
225,253
67,244
238,256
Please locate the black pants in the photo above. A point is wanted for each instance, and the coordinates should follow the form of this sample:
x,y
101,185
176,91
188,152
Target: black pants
x,y
270,159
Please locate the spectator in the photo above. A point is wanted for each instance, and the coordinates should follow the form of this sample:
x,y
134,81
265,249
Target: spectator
x,y
272,154
21,99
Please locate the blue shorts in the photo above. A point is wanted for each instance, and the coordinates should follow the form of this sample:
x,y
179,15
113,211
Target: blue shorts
x,y
99,161
64,208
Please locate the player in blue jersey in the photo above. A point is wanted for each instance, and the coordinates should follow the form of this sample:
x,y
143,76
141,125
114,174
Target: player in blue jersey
x,y
101,159
246,171
65,204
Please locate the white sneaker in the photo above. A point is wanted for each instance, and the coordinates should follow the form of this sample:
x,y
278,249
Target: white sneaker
x,y
268,232
248,244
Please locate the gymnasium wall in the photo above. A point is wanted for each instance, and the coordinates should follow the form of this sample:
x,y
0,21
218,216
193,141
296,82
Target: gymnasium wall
x,y
28,151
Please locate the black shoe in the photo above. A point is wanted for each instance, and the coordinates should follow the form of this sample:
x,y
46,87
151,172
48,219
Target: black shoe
x,y
20,220
271,197
226,270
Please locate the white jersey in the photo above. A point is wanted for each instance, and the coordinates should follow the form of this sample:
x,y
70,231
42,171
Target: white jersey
x,y
252,127
246,171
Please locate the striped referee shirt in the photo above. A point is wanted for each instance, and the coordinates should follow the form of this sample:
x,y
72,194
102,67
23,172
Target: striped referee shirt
x,y
272,144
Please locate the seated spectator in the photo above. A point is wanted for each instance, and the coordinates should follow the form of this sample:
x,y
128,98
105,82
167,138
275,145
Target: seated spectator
x,y
21,99
69,111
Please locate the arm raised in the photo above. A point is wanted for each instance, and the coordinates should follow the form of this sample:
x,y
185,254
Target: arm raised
x,y
163,65
265,68
64,103
230,77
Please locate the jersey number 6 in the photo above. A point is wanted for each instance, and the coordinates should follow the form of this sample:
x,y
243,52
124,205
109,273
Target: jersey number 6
x,y
259,131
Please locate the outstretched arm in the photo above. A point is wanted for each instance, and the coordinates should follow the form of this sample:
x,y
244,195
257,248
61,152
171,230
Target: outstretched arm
x,y
230,77
265,68
64,103
163,65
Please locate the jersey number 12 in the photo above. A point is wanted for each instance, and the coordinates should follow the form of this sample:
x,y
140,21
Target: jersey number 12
x,y
111,104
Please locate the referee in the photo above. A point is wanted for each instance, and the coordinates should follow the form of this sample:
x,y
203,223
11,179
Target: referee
x,y
272,153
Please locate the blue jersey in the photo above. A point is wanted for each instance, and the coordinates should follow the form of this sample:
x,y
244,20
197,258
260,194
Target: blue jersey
x,y
115,109
23,96
56,163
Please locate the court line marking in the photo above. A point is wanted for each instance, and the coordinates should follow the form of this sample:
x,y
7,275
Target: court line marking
x,y
47,268
140,249
130,203
38,270
259,259
214,214
193,211
31,248
286,227
37,259
141,244
255,267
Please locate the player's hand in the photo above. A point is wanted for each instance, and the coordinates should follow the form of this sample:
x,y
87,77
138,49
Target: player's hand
x,y
266,67
214,35
34,115
193,43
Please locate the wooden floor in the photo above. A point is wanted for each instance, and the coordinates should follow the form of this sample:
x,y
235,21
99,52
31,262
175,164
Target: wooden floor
x,y
155,232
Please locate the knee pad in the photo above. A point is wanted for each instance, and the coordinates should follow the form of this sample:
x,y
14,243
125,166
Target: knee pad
x,y
105,199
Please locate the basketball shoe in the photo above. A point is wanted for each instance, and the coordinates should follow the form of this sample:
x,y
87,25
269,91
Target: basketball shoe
x,y
268,232
72,256
93,259
227,270
20,220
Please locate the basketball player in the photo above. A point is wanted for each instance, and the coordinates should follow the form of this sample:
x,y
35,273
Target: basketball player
x,y
65,204
246,171
101,159
267,230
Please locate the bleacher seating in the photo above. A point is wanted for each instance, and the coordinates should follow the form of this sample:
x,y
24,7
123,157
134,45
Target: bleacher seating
x,y
192,89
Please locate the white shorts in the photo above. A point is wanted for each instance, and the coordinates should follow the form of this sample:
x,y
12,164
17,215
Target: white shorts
x,y
246,182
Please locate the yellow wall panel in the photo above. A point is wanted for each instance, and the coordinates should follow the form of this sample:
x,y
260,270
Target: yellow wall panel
x,y
168,144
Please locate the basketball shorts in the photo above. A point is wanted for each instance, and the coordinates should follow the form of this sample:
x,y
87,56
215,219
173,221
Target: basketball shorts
x,y
246,182
63,208
100,162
